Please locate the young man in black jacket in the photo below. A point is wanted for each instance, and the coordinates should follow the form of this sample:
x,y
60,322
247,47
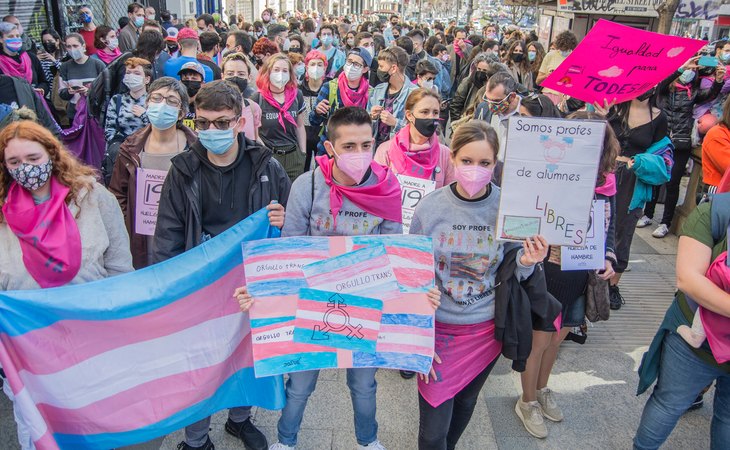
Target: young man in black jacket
x,y
223,179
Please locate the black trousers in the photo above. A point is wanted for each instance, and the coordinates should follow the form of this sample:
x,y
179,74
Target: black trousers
x,y
625,219
681,156
440,428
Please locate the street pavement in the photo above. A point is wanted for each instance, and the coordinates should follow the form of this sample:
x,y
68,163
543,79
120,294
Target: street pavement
x,y
595,385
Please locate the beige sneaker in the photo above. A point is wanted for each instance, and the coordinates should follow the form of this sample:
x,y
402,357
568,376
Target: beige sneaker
x,y
531,415
550,409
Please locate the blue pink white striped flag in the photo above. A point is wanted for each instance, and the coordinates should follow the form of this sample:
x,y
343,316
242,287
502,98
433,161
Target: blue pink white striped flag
x,y
137,356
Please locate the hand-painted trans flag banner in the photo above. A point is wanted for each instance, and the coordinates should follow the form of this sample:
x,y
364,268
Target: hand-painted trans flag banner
x,y
337,320
275,274
137,356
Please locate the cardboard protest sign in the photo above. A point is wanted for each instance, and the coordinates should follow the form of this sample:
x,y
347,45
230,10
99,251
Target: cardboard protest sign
x,y
149,188
396,271
412,192
592,254
548,179
619,62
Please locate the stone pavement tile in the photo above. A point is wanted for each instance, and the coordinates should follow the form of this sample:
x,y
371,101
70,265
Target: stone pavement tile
x,y
392,440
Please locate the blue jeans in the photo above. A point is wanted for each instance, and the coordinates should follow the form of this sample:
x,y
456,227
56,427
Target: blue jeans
x,y
300,386
682,376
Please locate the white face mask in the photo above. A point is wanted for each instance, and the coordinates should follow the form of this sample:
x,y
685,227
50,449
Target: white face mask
x,y
369,50
315,72
279,79
427,84
133,81
113,44
285,46
351,72
151,17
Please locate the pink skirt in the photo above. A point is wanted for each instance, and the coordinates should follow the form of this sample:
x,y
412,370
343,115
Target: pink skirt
x,y
465,351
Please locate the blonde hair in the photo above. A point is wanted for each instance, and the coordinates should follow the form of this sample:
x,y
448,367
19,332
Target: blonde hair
x,y
419,94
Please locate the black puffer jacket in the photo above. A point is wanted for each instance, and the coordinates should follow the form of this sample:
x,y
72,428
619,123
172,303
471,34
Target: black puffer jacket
x,y
678,104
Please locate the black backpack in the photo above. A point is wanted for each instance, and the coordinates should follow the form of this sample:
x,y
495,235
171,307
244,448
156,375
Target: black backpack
x,y
105,86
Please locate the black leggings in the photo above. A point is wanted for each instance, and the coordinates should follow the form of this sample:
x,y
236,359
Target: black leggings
x,y
440,428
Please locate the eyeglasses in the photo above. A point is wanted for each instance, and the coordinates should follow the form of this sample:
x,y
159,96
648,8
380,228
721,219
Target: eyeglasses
x,y
159,98
357,66
220,124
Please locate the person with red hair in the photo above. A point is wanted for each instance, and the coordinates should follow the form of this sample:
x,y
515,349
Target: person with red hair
x,y
58,226
315,63
262,50
282,119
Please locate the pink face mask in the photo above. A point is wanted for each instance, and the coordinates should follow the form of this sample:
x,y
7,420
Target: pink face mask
x,y
472,178
355,165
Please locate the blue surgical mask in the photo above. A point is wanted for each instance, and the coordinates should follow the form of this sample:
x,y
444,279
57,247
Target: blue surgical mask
x,y
725,56
327,40
564,53
138,22
216,141
531,56
687,76
299,70
14,44
161,115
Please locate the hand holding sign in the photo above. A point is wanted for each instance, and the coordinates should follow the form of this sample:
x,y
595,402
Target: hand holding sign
x,y
619,61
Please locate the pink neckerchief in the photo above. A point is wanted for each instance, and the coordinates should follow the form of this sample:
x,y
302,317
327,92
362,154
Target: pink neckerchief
x,y
683,87
106,58
13,68
381,199
609,186
290,95
48,234
350,97
458,50
419,165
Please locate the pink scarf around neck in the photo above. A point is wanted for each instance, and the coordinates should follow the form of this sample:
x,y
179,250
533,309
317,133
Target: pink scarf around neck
x,y
48,234
608,188
419,165
106,58
13,68
381,199
290,95
351,97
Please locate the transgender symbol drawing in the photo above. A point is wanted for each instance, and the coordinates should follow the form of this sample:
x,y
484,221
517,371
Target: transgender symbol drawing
x,y
336,319
554,150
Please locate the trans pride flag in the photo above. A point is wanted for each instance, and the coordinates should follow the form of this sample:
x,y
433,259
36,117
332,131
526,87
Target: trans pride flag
x,y
137,356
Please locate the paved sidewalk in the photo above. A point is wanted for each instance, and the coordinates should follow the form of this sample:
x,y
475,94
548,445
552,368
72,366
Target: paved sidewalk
x,y
595,385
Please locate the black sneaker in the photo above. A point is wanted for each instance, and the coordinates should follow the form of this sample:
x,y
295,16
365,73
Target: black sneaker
x,y
697,404
252,437
407,374
207,446
615,298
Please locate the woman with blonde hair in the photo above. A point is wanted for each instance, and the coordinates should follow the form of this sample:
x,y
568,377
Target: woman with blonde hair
x,y
282,114
51,208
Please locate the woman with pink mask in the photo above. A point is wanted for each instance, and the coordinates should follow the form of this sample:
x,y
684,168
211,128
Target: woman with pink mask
x,y
466,270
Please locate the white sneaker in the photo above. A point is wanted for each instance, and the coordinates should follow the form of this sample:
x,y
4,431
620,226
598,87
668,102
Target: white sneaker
x,y
530,414
375,445
643,222
550,409
660,231
280,446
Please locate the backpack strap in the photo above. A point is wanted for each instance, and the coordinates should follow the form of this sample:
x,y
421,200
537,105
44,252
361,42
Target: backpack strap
x,y
719,216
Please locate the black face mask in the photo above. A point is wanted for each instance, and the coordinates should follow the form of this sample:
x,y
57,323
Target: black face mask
x,y
172,48
383,76
480,78
241,83
50,47
517,57
427,127
705,71
295,50
192,86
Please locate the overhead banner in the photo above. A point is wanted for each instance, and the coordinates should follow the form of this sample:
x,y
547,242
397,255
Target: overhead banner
x,y
617,62
340,302
548,179
129,358
636,8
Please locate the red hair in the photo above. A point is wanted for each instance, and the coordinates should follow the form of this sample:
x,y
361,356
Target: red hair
x,y
263,82
315,54
264,46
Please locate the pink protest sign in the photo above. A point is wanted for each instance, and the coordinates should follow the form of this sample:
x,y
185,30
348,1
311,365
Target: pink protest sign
x,y
616,61
149,188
